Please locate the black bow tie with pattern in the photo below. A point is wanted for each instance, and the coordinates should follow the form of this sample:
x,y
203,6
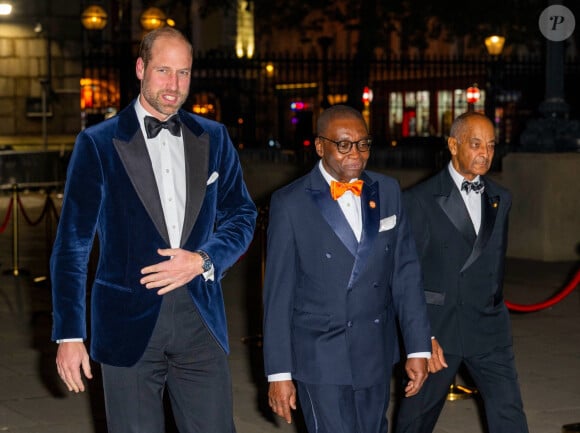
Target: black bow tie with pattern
x,y
153,126
477,187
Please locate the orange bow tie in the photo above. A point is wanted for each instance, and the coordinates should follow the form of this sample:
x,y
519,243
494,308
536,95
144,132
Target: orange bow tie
x,y
339,188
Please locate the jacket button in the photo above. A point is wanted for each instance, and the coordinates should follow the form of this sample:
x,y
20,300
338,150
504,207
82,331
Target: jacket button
x,y
349,324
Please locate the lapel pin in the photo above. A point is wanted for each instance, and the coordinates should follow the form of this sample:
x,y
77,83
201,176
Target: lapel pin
x,y
372,204
494,204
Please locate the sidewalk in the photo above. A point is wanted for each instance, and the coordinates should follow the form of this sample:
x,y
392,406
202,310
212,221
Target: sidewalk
x,y
32,399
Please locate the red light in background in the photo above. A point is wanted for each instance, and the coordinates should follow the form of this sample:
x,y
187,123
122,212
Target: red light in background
x,y
298,106
472,95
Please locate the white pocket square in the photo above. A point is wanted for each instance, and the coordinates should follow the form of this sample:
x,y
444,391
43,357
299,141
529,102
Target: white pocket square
x,y
387,223
213,178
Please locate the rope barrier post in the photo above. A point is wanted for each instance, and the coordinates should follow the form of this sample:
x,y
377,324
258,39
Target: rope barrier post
x,y
15,271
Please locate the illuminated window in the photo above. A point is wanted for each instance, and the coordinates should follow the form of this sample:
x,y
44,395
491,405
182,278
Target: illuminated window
x,y
409,113
99,95
206,104
245,29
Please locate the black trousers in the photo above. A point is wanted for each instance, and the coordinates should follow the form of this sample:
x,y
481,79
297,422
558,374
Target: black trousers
x,y
496,380
183,358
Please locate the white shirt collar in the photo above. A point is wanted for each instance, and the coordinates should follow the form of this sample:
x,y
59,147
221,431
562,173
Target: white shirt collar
x,y
142,112
458,178
327,175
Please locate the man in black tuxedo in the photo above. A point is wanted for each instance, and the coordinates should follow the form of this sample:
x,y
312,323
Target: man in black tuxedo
x,y
459,220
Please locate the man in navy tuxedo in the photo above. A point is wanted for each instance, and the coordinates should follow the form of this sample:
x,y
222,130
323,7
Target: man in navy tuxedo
x,y
459,219
163,190
341,272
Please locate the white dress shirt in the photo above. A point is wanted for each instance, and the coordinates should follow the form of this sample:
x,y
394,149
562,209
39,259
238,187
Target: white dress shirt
x,y
167,156
472,200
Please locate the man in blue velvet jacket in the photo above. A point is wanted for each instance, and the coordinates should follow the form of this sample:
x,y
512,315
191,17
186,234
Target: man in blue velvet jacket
x,y
341,272
163,191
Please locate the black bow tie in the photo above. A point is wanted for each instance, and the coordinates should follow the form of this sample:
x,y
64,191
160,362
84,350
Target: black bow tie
x,y
153,126
476,187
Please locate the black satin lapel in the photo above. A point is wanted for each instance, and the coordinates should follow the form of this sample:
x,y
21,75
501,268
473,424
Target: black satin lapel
x,y
333,215
455,209
489,208
135,159
196,165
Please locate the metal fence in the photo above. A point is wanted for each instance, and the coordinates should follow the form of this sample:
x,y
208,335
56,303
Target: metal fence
x,y
254,96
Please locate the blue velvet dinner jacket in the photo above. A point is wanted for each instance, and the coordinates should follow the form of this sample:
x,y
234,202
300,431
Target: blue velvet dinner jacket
x,y
111,191
331,303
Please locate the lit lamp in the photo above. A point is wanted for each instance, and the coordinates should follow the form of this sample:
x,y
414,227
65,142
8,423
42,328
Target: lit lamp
x,y
5,8
94,18
152,19
494,44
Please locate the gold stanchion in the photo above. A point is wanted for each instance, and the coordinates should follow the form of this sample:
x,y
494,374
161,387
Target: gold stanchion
x,y
15,271
460,392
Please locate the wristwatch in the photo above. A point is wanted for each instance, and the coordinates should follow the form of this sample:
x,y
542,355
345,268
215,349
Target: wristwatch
x,y
207,264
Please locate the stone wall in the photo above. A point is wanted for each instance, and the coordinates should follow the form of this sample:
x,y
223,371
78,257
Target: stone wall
x,y
38,42
545,215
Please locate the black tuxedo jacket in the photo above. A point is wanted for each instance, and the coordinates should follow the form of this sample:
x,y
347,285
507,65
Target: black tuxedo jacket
x,y
462,272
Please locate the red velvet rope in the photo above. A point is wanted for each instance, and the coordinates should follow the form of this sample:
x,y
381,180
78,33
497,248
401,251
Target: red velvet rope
x,y
45,208
549,302
7,217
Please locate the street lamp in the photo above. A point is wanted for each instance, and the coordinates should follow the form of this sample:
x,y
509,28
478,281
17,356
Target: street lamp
x,y
94,17
5,8
152,19
494,45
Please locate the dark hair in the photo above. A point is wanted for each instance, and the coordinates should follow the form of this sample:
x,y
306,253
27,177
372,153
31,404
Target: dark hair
x,y
150,38
460,123
335,112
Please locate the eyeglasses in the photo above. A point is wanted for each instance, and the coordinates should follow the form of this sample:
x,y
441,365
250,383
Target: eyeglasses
x,y
345,146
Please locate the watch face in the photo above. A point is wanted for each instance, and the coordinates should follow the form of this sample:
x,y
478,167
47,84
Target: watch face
x,y
206,265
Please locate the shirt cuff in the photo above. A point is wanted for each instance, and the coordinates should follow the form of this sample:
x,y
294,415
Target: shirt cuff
x,y
278,377
70,340
209,275
419,355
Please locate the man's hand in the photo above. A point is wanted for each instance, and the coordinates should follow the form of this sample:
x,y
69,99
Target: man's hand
x,y
416,369
282,398
70,358
182,267
437,361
